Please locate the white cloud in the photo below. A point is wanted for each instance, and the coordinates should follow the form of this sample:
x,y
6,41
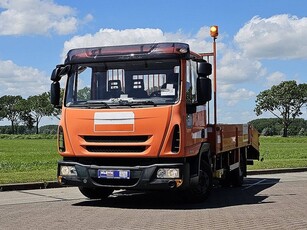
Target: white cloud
x,y
275,78
278,37
236,116
37,17
20,80
234,67
232,96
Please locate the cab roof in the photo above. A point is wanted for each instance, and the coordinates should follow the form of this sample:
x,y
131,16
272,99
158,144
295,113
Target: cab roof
x,y
129,52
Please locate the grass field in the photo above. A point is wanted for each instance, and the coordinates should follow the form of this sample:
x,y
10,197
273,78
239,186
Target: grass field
x,y
35,160
280,152
27,160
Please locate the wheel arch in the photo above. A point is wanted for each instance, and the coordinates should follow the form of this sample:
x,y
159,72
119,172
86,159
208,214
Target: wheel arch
x,y
203,154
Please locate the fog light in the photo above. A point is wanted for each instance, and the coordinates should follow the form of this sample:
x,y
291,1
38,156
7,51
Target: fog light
x,y
168,173
68,171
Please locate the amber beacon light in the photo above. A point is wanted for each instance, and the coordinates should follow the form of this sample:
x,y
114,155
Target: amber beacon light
x,y
214,31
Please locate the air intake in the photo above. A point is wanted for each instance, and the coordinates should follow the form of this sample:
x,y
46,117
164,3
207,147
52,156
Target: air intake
x,y
176,139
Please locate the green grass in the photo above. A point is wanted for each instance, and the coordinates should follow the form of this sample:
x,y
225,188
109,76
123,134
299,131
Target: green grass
x,y
34,159
279,152
28,160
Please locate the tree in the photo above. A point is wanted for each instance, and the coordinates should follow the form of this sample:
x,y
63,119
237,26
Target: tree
x,y
39,106
284,101
84,94
11,108
57,111
25,115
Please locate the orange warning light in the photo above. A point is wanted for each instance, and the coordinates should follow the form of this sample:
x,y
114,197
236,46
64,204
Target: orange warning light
x,y
214,31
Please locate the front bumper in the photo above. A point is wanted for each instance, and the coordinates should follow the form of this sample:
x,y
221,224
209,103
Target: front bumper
x,y
141,177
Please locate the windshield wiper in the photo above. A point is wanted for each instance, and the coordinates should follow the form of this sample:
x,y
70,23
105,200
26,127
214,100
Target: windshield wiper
x,y
135,103
97,104
144,103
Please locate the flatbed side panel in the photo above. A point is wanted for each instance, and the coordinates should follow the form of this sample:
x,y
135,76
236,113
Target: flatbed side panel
x,y
227,137
254,137
253,152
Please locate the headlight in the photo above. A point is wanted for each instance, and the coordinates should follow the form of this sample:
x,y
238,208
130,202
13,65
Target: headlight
x,y
168,173
68,171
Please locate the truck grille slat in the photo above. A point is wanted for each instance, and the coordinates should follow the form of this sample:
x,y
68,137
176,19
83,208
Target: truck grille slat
x,y
121,149
116,139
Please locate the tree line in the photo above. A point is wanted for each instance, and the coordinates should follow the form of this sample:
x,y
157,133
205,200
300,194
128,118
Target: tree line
x,y
273,127
26,113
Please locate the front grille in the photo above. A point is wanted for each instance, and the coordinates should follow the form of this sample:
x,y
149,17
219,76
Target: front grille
x,y
116,139
108,144
111,149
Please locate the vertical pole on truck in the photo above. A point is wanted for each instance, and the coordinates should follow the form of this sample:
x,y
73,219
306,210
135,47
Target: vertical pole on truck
x,y
214,33
214,81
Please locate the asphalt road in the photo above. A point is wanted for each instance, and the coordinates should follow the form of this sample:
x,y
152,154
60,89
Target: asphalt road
x,y
274,201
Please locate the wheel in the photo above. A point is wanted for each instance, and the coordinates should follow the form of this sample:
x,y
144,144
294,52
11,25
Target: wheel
x,y
233,178
237,177
201,191
96,193
226,181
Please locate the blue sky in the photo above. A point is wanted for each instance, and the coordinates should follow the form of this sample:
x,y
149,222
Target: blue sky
x,y
261,42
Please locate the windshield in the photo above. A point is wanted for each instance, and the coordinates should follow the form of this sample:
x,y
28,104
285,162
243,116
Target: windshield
x,y
129,83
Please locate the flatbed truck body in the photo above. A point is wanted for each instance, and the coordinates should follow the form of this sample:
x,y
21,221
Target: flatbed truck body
x,y
136,117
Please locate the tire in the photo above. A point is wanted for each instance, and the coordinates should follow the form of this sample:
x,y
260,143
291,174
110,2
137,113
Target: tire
x,y
201,191
226,181
96,193
233,178
237,177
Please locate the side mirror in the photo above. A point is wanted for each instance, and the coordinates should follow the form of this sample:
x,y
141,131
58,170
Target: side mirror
x,y
204,68
55,74
55,94
64,70
58,72
204,90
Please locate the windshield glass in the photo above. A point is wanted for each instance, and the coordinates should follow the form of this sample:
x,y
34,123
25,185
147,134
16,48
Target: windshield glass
x,y
129,83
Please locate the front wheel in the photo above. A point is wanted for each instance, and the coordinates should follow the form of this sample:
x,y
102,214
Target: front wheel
x,y
96,193
201,191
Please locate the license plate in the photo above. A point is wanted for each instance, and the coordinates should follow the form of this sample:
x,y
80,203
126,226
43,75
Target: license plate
x,y
113,174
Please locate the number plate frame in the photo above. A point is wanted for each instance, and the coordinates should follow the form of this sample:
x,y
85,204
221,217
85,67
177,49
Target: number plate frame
x,y
113,174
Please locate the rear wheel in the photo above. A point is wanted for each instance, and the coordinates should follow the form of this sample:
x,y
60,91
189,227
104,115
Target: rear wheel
x,y
96,193
237,177
233,178
201,191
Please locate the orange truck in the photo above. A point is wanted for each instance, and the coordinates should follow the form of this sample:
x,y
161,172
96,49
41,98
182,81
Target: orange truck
x,y
138,117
